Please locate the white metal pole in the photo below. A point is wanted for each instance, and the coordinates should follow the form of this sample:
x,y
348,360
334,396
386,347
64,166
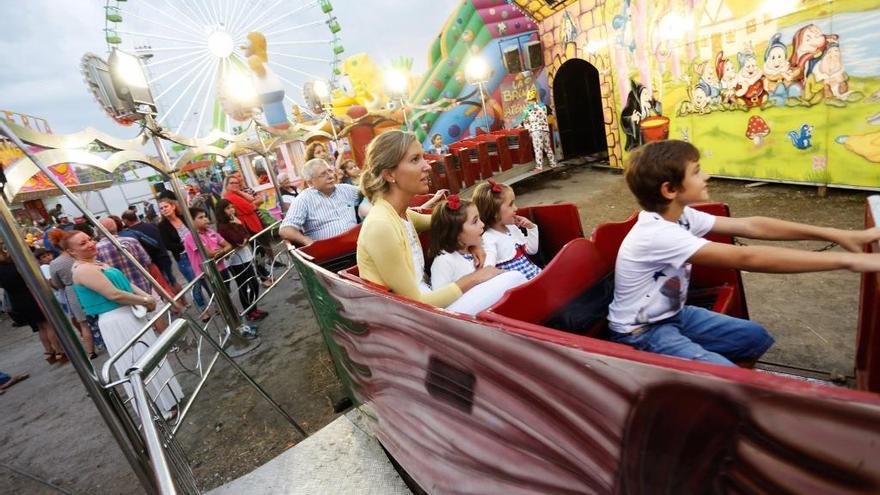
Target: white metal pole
x,y
485,110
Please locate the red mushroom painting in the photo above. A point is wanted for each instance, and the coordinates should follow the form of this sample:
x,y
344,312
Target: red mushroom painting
x,y
757,130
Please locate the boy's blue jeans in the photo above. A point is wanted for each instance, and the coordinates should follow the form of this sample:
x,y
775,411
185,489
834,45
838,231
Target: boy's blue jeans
x,y
187,272
702,335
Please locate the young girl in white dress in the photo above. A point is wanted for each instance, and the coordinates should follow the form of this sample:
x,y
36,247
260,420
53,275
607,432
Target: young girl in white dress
x,y
456,231
506,246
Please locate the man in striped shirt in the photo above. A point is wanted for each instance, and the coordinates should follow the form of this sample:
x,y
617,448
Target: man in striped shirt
x,y
108,253
324,210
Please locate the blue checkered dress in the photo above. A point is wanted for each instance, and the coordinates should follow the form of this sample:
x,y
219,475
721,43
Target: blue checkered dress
x,y
520,263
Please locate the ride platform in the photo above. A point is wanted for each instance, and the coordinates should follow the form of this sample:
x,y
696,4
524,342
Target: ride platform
x,y
342,457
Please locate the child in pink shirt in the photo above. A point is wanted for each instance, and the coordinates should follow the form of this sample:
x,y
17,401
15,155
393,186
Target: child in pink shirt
x,y
215,245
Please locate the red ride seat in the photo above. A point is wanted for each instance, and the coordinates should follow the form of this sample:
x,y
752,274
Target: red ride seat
x,y
577,268
335,252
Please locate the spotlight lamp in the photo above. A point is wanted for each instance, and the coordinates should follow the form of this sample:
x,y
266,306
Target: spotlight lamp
x,y
396,84
476,70
130,82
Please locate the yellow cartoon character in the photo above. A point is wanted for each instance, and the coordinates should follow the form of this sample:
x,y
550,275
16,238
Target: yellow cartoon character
x,y
267,85
366,83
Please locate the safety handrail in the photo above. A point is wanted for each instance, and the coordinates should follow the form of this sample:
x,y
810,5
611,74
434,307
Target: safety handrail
x,y
108,365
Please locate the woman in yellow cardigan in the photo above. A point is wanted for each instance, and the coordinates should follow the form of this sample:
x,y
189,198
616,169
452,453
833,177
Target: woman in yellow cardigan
x,y
388,249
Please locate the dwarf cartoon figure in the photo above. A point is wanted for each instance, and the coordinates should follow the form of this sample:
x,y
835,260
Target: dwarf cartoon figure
x,y
727,79
750,82
830,79
266,83
807,46
778,76
639,106
711,83
699,102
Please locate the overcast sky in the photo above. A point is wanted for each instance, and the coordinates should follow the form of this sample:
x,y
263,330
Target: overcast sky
x,y
44,40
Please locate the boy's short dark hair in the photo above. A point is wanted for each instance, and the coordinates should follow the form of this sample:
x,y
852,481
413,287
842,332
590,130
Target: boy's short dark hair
x,y
652,164
195,211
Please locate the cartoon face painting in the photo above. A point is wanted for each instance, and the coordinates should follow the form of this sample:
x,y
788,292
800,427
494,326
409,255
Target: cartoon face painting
x,y
729,71
812,39
700,98
749,69
709,76
776,61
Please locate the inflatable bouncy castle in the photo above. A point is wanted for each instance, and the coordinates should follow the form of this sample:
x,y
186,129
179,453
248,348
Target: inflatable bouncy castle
x,y
444,102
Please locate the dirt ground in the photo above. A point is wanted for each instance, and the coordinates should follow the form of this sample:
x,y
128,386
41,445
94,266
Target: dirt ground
x,y
51,434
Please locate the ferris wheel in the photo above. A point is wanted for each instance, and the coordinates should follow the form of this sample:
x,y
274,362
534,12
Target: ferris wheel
x,y
190,47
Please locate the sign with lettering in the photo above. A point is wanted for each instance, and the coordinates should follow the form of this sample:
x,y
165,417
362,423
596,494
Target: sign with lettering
x,y
514,91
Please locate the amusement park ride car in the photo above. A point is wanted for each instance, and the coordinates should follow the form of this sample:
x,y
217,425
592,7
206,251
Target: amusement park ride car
x,y
523,398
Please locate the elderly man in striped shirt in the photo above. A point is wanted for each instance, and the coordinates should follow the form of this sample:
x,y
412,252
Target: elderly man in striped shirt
x,y
324,210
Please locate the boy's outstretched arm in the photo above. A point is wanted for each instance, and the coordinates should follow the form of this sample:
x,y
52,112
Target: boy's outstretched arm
x,y
771,259
773,229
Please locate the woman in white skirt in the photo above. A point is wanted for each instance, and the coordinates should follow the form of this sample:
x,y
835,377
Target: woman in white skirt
x,y
106,292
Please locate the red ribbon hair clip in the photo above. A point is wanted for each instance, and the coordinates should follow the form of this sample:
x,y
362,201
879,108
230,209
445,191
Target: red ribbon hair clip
x,y
496,188
453,202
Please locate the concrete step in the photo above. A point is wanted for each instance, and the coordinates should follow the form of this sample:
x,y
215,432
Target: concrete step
x,y
343,457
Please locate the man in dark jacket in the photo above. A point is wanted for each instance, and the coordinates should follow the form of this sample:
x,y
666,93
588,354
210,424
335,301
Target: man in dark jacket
x,y
151,239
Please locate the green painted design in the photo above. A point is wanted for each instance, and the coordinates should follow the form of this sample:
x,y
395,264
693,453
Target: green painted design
x,y
326,311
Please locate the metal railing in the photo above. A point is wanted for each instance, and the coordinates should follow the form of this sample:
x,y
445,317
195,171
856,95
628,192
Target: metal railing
x,y
183,349
130,411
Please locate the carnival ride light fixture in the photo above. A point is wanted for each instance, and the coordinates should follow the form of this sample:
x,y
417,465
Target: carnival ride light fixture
x,y
476,71
239,87
396,83
220,44
321,90
129,81
398,89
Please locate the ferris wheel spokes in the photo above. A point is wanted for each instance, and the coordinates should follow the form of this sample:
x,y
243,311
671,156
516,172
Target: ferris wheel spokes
x,y
204,103
283,16
188,17
294,28
193,51
200,63
203,65
204,78
293,69
154,64
300,57
166,25
243,23
195,43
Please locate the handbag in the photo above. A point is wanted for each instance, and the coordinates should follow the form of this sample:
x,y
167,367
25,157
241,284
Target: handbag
x,y
138,311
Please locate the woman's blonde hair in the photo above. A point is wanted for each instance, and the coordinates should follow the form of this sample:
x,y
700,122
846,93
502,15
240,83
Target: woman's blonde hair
x,y
385,152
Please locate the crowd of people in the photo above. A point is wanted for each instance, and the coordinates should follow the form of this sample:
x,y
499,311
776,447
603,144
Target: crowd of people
x,y
109,298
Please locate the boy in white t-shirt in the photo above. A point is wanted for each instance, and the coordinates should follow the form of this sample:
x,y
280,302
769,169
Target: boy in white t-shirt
x,y
654,262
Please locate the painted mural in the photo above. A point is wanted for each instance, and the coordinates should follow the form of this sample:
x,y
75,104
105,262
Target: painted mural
x,y
766,89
